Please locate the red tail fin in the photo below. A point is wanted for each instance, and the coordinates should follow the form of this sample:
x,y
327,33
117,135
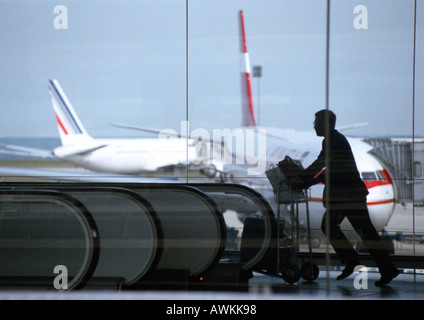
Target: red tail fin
x,y
248,113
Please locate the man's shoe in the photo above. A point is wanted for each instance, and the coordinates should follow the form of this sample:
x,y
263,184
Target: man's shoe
x,y
348,270
385,279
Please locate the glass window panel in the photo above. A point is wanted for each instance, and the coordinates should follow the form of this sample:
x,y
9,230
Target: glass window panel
x,y
179,65
368,176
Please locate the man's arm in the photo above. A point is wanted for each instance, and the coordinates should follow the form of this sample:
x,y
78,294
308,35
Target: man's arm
x,y
315,172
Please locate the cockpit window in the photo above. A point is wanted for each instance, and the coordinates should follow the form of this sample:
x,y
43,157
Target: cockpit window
x,y
381,176
368,176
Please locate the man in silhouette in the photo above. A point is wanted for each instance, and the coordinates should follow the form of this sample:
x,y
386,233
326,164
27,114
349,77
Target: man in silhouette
x,y
344,197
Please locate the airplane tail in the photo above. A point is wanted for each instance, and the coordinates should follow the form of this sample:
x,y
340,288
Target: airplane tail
x,y
248,112
70,128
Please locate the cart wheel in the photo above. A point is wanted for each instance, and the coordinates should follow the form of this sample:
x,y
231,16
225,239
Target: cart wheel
x,y
307,273
290,273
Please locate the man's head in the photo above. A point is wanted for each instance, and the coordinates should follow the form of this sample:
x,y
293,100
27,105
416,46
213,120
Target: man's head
x,y
321,118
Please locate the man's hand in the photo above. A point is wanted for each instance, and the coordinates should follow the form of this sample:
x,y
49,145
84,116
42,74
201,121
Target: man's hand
x,y
294,182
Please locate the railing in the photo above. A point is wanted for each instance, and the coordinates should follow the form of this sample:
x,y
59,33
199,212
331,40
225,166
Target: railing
x,y
139,228
42,229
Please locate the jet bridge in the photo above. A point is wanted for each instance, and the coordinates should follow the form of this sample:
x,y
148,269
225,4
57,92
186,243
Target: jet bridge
x,y
121,235
404,159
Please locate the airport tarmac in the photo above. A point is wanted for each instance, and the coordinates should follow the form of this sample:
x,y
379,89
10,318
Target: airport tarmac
x,y
406,226
405,217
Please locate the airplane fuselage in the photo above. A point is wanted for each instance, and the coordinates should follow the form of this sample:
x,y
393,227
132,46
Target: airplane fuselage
x,y
129,156
306,146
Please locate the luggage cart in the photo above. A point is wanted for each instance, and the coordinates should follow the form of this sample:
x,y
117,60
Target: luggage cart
x,y
288,267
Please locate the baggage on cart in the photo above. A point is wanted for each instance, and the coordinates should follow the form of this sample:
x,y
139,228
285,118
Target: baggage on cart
x,y
284,257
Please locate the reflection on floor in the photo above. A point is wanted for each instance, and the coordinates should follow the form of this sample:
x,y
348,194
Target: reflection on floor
x,y
360,285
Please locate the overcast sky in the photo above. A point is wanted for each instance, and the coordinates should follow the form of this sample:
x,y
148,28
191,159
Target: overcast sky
x,y
127,62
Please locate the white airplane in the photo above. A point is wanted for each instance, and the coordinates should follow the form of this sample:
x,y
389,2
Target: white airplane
x,y
118,156
115,156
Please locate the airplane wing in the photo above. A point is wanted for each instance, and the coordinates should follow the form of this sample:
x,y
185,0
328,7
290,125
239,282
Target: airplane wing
x,y
72,150
26,151
165,132
154,131
49,154
352,126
